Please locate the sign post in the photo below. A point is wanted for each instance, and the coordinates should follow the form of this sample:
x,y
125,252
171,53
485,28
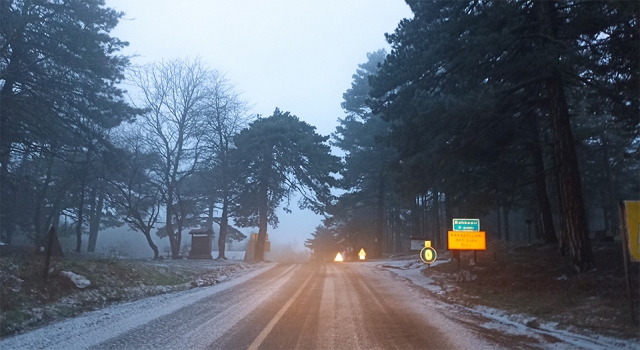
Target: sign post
x,y
428,254
466,235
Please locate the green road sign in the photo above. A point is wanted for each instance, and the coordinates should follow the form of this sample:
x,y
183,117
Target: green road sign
x,y
466,224
428,255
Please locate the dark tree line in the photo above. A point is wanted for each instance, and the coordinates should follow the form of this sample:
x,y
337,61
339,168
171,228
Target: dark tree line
x,y
493,106
59,96
480,107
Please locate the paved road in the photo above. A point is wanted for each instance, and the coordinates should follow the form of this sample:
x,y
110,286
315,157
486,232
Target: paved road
x,y
303,306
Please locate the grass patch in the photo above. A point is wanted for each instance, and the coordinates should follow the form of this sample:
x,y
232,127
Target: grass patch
x,y
10,321
65,311
154,276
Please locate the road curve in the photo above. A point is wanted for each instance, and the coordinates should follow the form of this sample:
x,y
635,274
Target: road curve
x,y
297,306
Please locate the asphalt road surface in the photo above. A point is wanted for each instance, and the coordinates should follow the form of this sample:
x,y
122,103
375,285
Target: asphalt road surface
x,y
296,306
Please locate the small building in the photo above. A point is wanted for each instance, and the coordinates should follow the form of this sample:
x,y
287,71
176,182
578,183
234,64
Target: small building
x,y
417,243
201,239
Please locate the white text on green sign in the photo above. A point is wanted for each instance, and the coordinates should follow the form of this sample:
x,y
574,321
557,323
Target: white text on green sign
x,y
466,224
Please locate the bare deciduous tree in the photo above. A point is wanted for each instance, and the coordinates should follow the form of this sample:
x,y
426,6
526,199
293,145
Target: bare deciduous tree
x,y
226,114
175,95
135,198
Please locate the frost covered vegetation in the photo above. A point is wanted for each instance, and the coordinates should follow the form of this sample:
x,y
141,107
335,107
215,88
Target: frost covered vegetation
x,y
528,284
28,301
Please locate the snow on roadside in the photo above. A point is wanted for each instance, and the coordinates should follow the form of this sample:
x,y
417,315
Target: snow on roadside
x,y
518,324
116,319
411,270
515,324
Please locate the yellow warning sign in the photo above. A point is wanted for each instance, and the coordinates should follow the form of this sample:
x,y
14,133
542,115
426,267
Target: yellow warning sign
x,y
632,225
467,240
362,254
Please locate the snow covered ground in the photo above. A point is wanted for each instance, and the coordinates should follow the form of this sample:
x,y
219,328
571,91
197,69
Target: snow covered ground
x,y
230,254
97,326
493,319
120,318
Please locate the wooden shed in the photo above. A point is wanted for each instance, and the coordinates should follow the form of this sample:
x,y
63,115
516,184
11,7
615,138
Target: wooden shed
x,y
201,239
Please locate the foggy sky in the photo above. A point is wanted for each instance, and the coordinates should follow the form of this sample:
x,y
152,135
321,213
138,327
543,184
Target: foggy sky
x,y
298,55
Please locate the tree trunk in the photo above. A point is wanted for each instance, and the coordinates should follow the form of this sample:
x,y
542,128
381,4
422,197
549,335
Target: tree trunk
x,y
7,188
224,217
6,141
178,234
397,245
611,198
424,216
575,225
379,230
53,219
415,217
542,198
505,222
263,213
147,235
499,213
209,224
92,213
39,229
438,229
80,218
448,215
175,248
262,235
96,215
224,223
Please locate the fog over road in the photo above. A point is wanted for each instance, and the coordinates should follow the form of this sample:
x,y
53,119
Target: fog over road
x,y
284,306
